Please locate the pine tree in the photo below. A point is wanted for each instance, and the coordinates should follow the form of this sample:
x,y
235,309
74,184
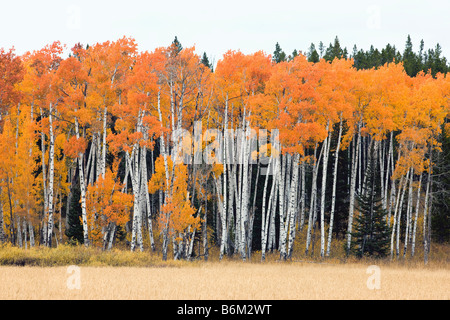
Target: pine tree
x,y
74,229
278,55
313,56
440,219
370,236
206,62
410,60
177,45
335,51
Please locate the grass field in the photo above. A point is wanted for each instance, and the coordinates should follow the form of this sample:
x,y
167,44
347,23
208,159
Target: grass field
x,y
43,273
227,280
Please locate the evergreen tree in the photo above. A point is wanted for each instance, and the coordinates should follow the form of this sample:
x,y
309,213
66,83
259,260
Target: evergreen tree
x,y
278,55
321,49
389,54
434,62
294,53
178,45
371,235
410,59
440,218
74,229
313,56
335,51
206,62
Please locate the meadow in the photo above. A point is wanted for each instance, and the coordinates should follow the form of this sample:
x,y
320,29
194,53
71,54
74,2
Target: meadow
x,y
42,273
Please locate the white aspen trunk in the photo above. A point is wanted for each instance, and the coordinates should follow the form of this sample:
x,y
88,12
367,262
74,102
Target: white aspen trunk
x,y
19,232
397,200
244,188
237,222
24,231
413,241
93,162
273,210
98,164
191,244
50,178
269,217
397,211
303,196
30,231
89,162
333,193
311,218
112,232
391,202
82,190
352,190
166,191
224,237
136,205
381,163
230,221
426,213
253,212
399,215
359,160
2,233
264,214
218,184
44,184
103,163
388,166
327,143
292,202
408,214
137,173
281,186
144,181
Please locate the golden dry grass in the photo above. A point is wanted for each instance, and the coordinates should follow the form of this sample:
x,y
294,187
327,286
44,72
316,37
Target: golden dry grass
x,y
226,280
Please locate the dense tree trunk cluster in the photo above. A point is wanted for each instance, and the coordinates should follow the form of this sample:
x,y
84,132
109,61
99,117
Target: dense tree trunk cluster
x,y
158,151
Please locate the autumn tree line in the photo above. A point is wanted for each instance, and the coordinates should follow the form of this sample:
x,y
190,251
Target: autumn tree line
x,y
88,151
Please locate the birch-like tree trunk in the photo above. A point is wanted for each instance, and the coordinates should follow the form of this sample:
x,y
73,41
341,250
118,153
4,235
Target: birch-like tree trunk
x,y
292,204
224,238
413,241
302,196
427,215
264,213
244,188
270,214
44,185
389,165
311,218
51,174
397,212
323,192
399,215
103,163
2,233
281,186
355,160
333,193
146,195
408,213
82,190
166,191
